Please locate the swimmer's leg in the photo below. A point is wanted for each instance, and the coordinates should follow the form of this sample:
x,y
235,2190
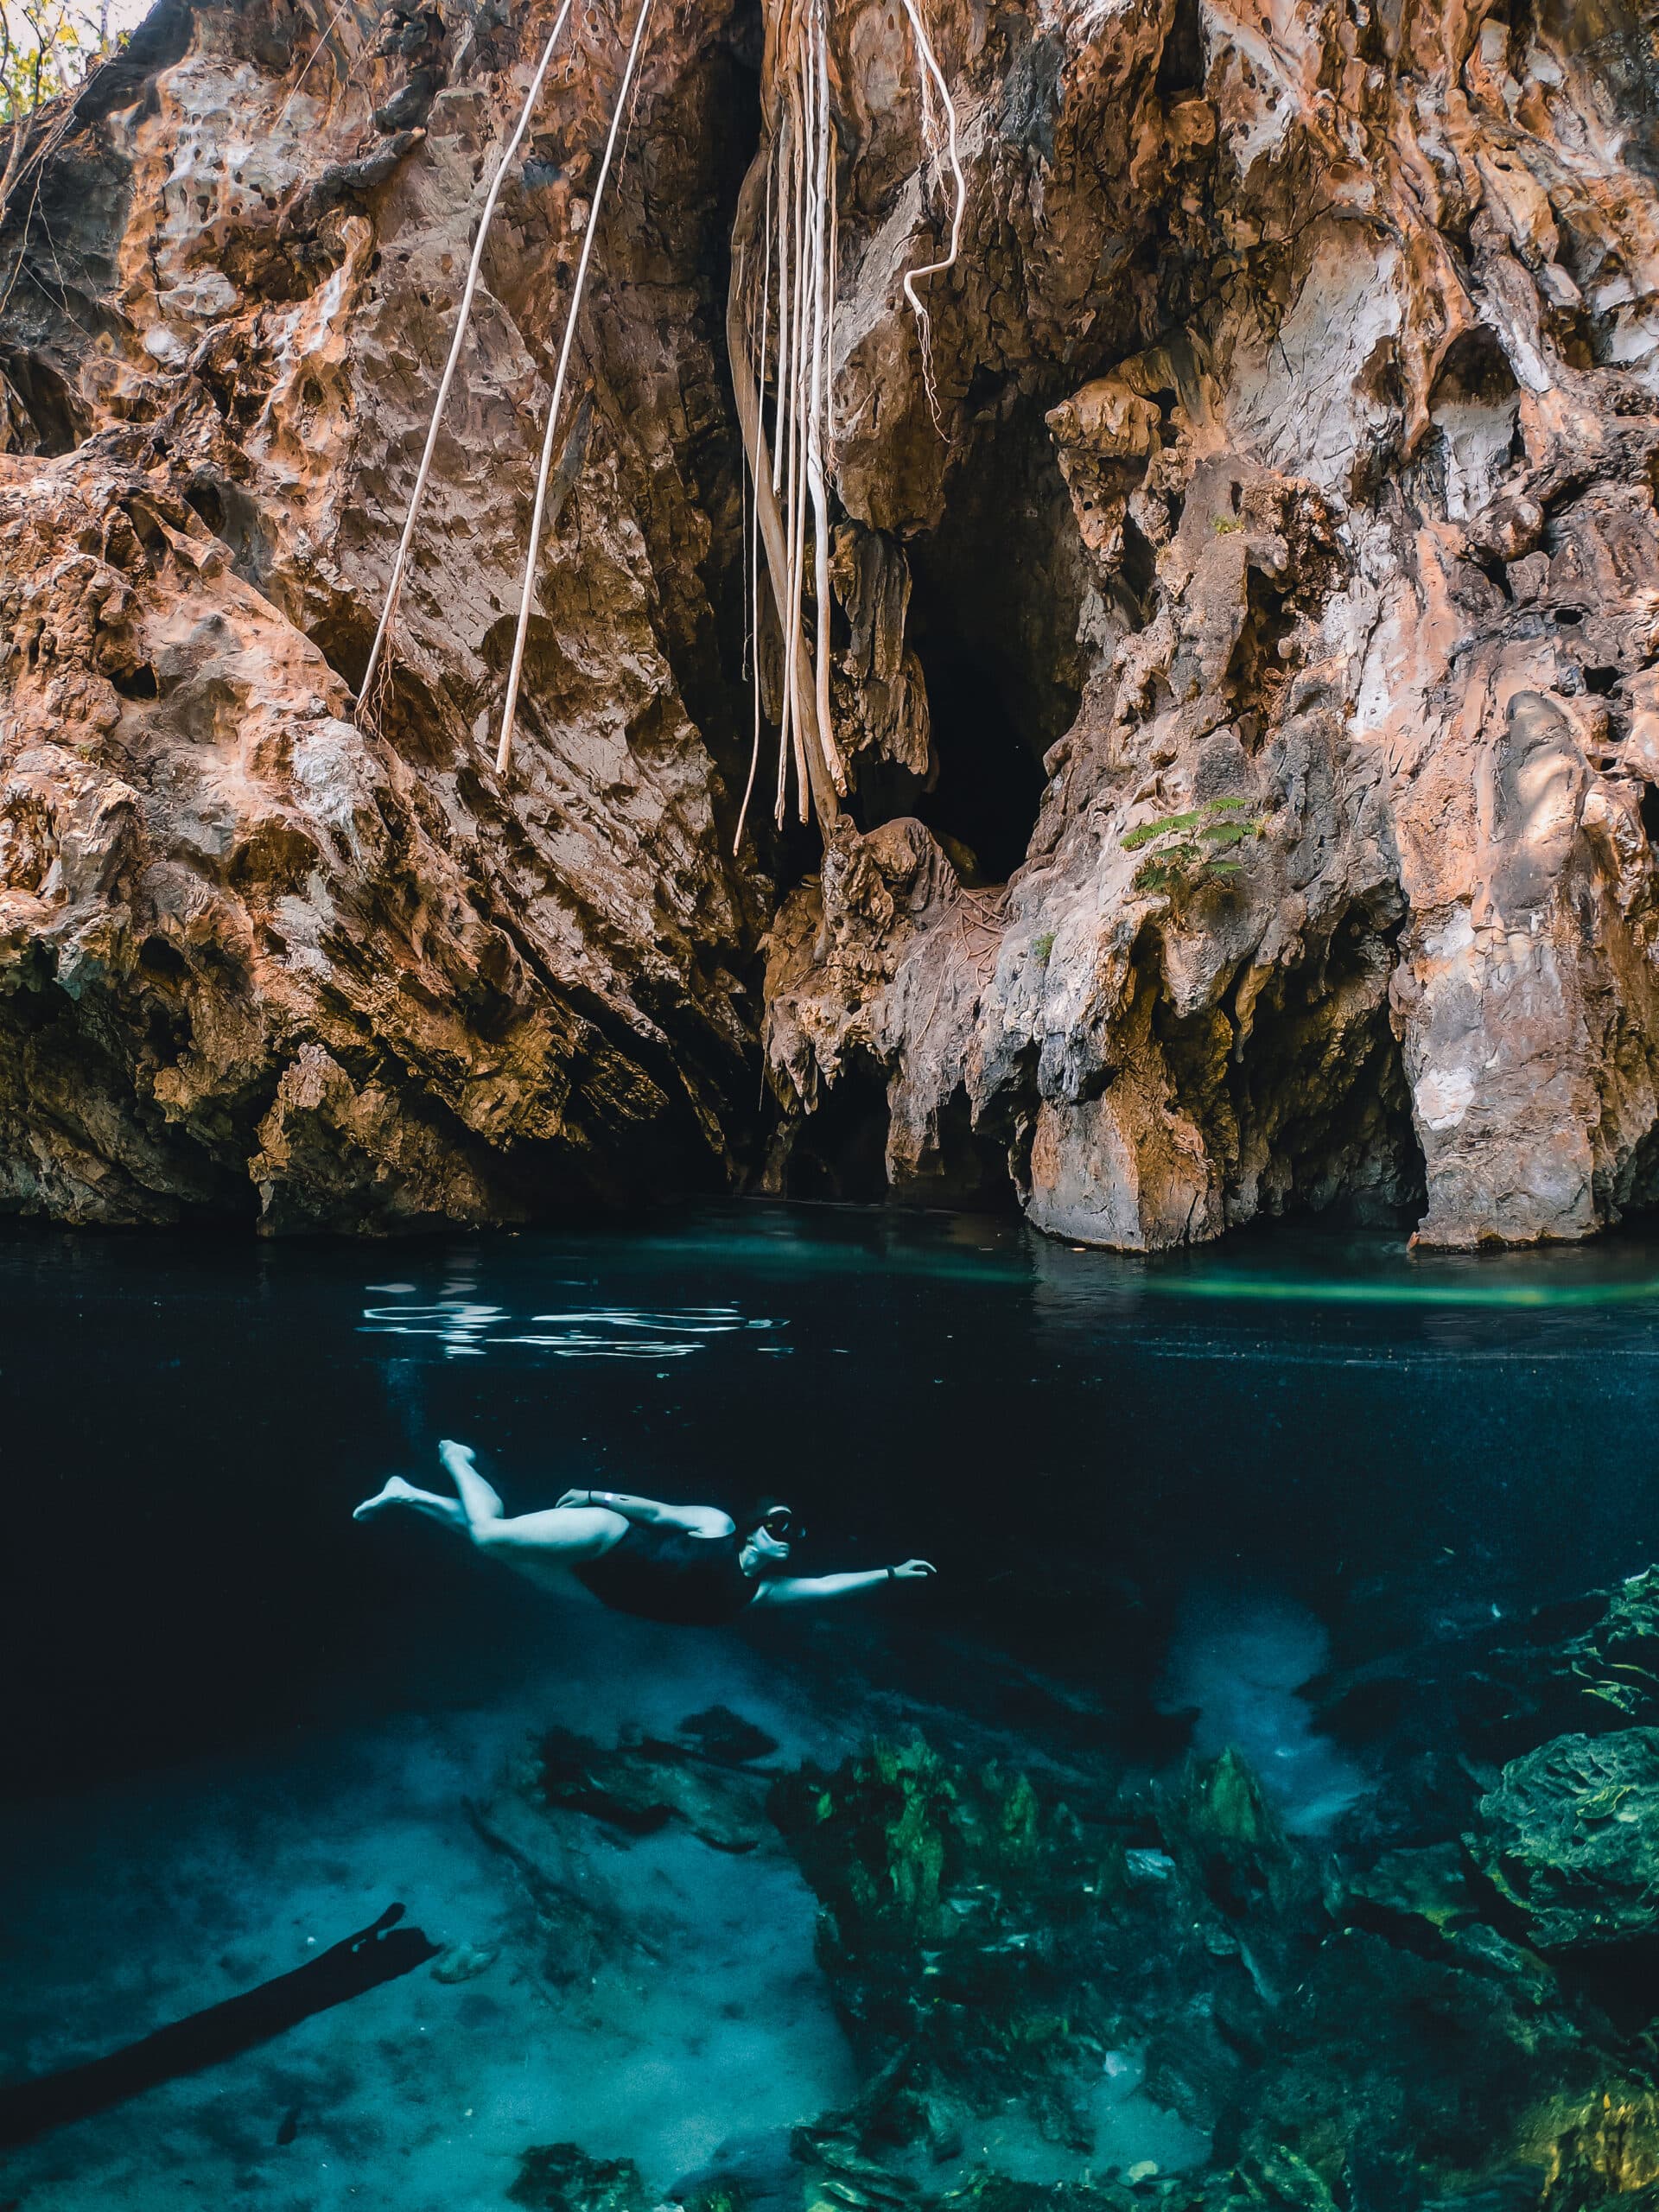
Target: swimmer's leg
x,y
398,1492
558,1538
555,1539
478,1500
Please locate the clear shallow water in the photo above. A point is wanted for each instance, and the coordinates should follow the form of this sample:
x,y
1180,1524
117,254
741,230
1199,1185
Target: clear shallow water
x,y
1162,1496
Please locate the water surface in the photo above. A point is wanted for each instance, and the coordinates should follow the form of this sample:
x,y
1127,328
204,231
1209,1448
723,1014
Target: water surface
x,y
1161,1497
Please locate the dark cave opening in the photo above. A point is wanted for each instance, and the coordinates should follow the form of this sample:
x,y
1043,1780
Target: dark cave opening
x,y
1313,1109
1180,66
344,640
990,784
996,591
839,1151
52,409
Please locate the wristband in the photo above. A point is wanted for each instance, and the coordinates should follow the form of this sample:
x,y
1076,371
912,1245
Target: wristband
x,y
892,1574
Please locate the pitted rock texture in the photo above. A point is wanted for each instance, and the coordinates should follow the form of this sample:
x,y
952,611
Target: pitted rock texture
x,y
1340,322
1285,432
259,954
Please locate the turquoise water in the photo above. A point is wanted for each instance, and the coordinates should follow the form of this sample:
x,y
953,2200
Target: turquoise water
x,y
1168,1501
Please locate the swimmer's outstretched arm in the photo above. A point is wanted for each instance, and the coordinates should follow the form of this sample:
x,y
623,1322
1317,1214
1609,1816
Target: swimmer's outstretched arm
x,y
695,1520
807,1589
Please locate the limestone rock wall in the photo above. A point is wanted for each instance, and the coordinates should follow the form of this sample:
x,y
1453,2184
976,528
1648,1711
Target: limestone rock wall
x,y
1285,433
259,956
1341,322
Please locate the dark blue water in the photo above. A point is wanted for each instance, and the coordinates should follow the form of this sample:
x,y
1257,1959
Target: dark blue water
x,y
1154,1491
1077,1439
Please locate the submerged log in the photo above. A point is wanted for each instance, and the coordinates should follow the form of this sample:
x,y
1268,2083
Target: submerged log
x,y
378,1953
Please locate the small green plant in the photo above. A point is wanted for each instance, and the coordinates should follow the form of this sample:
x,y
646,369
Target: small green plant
x,y
1186,851
1226,524
1041,946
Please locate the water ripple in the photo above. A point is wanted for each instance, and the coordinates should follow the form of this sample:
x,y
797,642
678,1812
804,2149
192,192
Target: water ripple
x,y
468,1330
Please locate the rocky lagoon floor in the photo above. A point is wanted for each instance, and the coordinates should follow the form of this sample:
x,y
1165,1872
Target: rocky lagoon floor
x,y
1262,1808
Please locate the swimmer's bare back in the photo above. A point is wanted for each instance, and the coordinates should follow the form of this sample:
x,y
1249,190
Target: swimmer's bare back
x,y
691,1565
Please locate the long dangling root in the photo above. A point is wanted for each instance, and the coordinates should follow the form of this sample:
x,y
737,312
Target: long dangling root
x,y
789,196
400,565
769,525
503,751
930,71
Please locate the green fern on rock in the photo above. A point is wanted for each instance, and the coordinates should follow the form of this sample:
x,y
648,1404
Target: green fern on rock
x,y
1187,852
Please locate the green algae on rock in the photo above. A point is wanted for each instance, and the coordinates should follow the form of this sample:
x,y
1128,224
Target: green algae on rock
x,y
561,2178
1459,2025
1571,1836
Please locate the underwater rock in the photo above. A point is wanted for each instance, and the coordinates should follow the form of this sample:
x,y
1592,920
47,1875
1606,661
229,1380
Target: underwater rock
x,y
1441,1716
577,1935
967,1930
1604,2150
1432,1885
1614,1662
1342,2039
1387,2060
1570,1835
640,1787
1223,1833
954,1885
720,1734
463,1963
560,2177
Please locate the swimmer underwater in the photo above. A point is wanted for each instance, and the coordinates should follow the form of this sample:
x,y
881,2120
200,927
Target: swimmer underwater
x,y
689,1565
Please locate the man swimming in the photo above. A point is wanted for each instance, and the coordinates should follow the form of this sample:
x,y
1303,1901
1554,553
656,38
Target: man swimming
x,y
687,1564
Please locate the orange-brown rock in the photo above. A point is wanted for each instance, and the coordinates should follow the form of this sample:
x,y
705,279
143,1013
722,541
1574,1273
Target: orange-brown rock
x,y
1341,320
1286,433
259,954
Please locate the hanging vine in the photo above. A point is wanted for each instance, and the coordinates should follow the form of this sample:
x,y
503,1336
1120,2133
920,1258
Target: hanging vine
x,y
366,695
780,335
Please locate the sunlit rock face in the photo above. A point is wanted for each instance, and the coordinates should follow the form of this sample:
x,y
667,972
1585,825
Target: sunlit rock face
x,y
1336,322
1283,434
259,954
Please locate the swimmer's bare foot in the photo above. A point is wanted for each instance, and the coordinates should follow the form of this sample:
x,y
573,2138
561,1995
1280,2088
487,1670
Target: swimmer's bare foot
x,y
396,1492
480,1501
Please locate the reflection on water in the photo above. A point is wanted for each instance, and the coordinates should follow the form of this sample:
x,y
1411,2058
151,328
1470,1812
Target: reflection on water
x,y
468,1330
1173,1502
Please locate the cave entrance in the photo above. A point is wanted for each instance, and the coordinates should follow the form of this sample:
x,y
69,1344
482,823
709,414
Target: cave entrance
x,y
838,1151
1314,1115
990,784
995,594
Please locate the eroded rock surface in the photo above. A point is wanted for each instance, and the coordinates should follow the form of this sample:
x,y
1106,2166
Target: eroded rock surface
x,y
1568,1837
1286,433
259,953
1338,320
